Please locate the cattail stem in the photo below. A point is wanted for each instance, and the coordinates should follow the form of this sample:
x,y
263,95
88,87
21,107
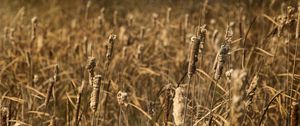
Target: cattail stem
x,y
294,114
78,102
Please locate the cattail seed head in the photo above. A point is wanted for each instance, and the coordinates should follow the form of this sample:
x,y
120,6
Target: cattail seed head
x,y
95,93
220,62
33,28
110,46
56,72
122,98
178,106
49,91
194,50
168,16
91,68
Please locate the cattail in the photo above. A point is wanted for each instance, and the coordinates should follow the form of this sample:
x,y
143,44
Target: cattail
x,y
95,93
142,33
33,28
178,106
6,34
202,36
4,116
124,51
167,94
101,18
239,79
110,47
88,5
154,19
139,54
78,102
251,90
228,75
220,61
294,114
194,50
130,20
193,56
56,72
52,121
122,98
115,18
168,16
12,35
35,79
186,21
49,91
91,68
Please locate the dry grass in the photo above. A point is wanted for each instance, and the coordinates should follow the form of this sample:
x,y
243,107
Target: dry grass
x,y
149,62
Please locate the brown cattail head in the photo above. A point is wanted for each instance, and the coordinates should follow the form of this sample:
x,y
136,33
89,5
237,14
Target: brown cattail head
x,y
4,116
49,91
201,33
295,114
178,106
239,79
91,68
33,28
56,72
110,46
139,54
193,55
220,61
122,98
95,93
115,18
194,49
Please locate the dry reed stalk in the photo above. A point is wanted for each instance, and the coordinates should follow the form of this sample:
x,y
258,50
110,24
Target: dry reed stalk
x,y
239,79
78,102
91,69
178,106
95,93
295,114
4,115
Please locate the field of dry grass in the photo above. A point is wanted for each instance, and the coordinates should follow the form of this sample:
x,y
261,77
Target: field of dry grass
x,y
152,62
